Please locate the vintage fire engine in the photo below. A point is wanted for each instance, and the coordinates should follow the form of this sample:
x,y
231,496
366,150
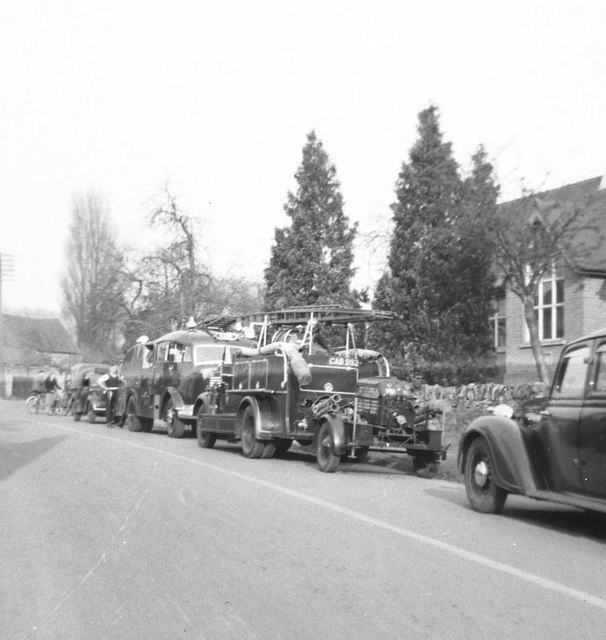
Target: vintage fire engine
x,y
295,386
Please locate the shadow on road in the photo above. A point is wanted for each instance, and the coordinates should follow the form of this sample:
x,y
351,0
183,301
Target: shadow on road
x,y
576,523
16,455
566,520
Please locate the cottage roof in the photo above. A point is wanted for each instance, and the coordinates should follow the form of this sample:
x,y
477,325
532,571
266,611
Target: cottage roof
x,y
46,335
590,195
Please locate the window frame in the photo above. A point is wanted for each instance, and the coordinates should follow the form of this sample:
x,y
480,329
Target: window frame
x,y
497,321
584,350
556,305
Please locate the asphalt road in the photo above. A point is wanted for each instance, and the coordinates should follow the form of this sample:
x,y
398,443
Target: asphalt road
x,y
106,533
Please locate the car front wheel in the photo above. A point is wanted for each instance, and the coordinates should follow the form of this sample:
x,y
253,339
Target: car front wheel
x,y
483,492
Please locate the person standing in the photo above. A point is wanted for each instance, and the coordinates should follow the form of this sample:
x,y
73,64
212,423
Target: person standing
x,y
109,383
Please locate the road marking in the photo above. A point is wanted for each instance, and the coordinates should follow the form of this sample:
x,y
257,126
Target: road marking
x,y
459,552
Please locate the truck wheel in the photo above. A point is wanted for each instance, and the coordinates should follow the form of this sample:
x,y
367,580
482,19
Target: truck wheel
x,y
132,422
361,454
90,414
483,493
205,439
425,467
174,426
269,448
251,447
327,459
282,445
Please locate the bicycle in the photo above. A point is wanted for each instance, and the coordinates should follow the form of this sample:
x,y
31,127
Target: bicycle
x,y
36,403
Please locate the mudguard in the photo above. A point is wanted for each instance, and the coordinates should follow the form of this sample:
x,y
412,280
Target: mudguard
x,y
263,417
512,466
339,434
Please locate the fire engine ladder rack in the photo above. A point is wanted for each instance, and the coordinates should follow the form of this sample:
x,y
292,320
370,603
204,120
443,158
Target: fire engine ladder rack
x,y
301,315
295,316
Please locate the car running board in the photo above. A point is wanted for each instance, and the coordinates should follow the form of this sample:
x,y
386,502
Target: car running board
x,y
571,499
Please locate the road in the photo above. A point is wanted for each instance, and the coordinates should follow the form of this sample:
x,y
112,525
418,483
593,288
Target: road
x,y
106,533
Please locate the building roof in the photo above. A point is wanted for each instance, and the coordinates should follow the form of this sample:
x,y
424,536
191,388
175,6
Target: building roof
x,y
46,335
590,195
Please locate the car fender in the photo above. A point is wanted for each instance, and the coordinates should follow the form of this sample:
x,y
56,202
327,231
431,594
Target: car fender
x,y
203,400
512,466
175,396
339,434
263,416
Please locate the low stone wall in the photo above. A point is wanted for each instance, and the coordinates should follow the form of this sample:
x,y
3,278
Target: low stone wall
x,y
490,393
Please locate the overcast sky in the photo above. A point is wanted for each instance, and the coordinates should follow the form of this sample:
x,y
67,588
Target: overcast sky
x,y
218,97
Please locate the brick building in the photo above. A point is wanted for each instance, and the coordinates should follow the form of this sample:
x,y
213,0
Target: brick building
x,y
569,303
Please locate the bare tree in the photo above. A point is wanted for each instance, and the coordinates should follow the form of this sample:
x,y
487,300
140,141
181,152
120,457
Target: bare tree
x,y
533,236
91,286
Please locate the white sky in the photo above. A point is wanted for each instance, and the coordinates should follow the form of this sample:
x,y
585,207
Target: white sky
x,y
217,98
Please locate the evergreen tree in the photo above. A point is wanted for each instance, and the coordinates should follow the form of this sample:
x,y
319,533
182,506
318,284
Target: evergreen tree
x,y
311,259
476,263
438,276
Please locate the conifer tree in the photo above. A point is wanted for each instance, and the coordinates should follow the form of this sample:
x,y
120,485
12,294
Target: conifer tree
x,y
438,272
311,258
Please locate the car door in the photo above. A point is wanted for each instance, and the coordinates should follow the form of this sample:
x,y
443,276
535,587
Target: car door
x,y
559,427
167,372
592,429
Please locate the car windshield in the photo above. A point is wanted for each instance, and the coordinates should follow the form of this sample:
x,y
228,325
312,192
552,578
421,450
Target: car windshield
x,y
208,354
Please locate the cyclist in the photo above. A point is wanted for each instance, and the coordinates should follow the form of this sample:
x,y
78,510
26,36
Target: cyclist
x,y
109,383
39,388
51,387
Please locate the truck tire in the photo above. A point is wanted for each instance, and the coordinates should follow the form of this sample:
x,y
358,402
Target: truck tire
x,y
425,467
174,426
205,439
327,459
282,445
132,421
251,447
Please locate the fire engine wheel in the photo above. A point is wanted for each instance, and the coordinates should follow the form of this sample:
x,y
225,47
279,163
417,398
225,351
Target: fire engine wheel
x,y
90,414
205,440
282,446
483,493
269,448
132,421
327,459
361,454
251,447
174,426
425,467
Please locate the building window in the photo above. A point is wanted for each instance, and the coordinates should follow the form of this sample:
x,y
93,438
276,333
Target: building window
x,y
498,325
549,307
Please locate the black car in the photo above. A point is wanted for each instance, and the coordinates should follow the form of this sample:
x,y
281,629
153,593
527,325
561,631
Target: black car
x,y
86,397
553,448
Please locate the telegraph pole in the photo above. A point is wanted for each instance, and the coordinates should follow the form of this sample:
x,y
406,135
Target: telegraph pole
x,y
7,272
